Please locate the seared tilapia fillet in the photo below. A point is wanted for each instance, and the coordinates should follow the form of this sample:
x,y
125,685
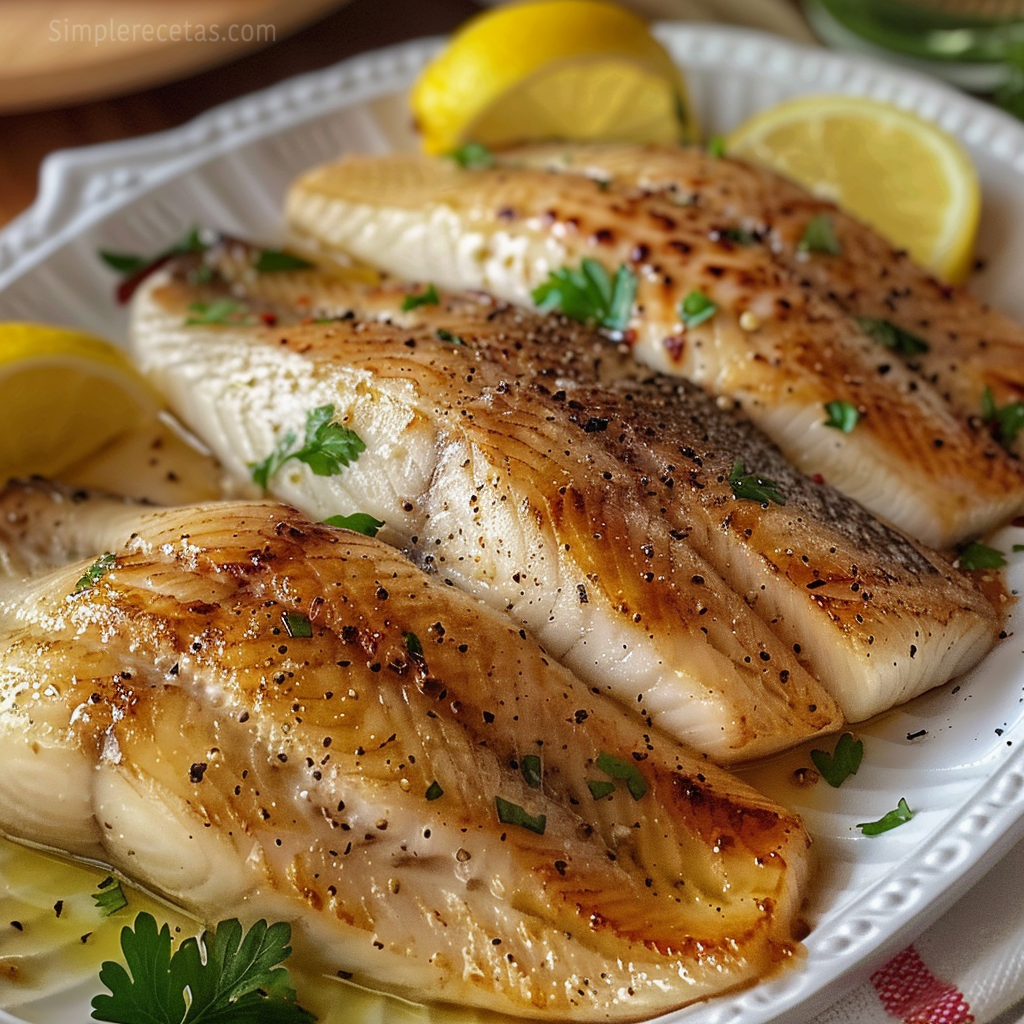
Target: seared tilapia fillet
x,y
259,716
480,478
781,351
968,345
876,618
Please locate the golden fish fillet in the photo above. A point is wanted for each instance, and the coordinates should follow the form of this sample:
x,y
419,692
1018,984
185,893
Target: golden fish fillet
x,y
968,346
260,716
781,351
652,461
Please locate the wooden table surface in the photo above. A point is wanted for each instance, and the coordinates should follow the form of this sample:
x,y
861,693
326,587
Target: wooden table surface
x,y
26,138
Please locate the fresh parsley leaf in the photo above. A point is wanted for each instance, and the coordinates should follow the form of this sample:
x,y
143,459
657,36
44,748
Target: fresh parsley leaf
x,y
624,770
716,146
896,817
529,765
1017,548
434,791
274,261
589,295
737,235
891,336
446,335
126,264
512,814
980,556
600,788
696,308
428,297
297,625
474,156
110,897
843,762
841,415
413,644
820,236
96,572
753,487
326,448
220,313
358,522
1008,419
230,978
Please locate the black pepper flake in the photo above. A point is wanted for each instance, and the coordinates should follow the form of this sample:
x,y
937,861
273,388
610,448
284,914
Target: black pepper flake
x,y
197,771
814,584
18,925
58,908
917,735
581,593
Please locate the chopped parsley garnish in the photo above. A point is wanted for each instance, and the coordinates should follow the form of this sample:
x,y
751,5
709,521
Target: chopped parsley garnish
x,y
716,146
297,625
529,765
512,814
589,295
843,762
428,297
445,335
753,487
893,337
1008,419
841,415
274,261
740,236
222,977
600,788
326,448
474,156
110,897
696,308
820,236
96,571
134,268
1018,547
220,313
358,522
434,791
625,771
899,816
980,556
413,644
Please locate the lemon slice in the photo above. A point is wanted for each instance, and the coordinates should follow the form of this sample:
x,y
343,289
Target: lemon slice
x,y
559,69
897,172
63,395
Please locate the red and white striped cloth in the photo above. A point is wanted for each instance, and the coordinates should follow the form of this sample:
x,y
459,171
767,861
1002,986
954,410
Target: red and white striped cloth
x,y
968,968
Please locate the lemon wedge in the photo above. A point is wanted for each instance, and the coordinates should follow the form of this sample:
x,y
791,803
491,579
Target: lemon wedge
x,y
557,69
892,169
63,395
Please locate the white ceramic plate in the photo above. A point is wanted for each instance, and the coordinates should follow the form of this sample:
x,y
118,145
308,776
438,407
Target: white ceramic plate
x,y
964,776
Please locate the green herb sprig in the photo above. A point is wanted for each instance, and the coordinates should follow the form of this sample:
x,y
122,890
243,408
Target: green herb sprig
x,y
96,572
109,896
753,487
326,448
841,415
625,771
428,297
900,815
1008,419
357,522
276,261
512,814
222,977
473,156
892,337
589,295
696,308
820,236
837,767
219,313
980,556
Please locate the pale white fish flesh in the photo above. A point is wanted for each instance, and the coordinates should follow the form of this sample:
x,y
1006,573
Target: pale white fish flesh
x,y
481,479
249,713
877,618
778,349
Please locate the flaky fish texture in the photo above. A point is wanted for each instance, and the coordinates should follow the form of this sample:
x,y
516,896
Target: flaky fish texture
x,y
261,716
876,618
968,346
780,350
483,481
